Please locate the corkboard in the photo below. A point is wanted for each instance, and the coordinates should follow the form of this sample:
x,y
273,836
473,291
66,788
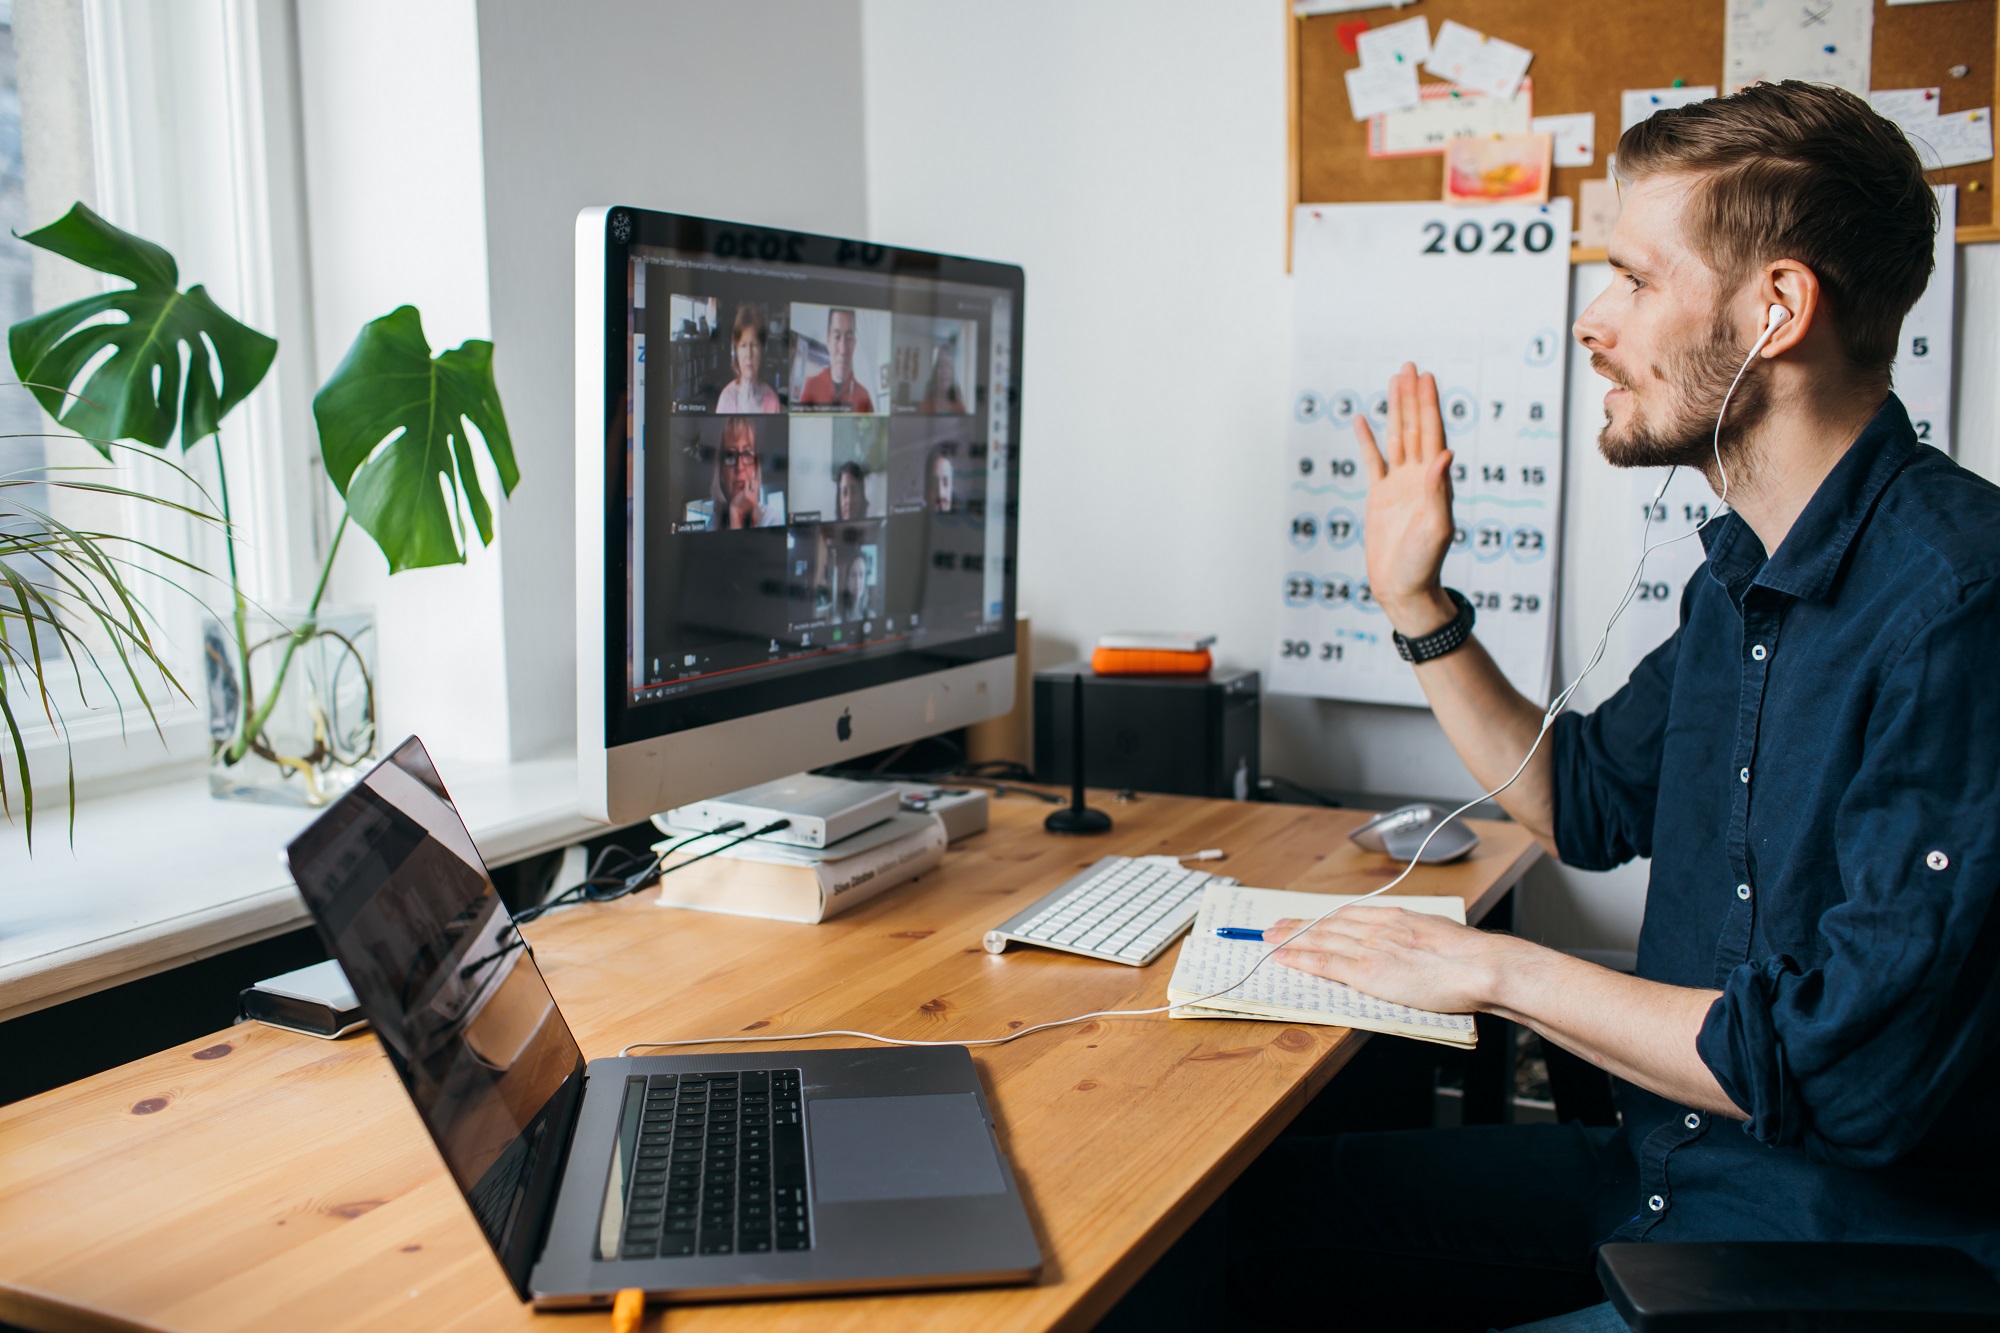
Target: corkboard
x,y
1586,55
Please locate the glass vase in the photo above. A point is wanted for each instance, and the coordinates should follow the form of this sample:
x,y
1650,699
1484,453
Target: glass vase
x,y
318,736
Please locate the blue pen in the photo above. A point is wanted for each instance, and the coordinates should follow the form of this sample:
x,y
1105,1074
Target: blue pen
x,y
1239,933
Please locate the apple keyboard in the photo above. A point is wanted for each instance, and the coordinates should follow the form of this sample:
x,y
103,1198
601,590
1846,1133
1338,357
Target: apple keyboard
x,y
1124,909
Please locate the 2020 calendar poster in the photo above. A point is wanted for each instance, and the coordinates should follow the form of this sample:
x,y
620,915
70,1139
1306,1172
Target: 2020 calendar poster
x,y
1479,297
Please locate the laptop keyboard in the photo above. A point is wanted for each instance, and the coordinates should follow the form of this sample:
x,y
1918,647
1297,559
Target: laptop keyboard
x,y
721,1167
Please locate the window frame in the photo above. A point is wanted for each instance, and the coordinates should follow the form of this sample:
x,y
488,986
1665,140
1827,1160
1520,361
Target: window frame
x,y
194,132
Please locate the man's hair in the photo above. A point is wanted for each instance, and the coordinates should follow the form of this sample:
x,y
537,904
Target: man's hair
x,y
1806,172
839,310
749,317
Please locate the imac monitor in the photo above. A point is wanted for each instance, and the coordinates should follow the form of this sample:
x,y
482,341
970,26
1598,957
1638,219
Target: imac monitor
x,y
797,469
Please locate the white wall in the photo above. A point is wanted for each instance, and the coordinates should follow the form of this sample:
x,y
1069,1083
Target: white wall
x,y
390,136
1131,156
747,111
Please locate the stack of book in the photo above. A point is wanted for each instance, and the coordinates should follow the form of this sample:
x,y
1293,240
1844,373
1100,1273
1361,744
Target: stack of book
x,y
1136,654
788,883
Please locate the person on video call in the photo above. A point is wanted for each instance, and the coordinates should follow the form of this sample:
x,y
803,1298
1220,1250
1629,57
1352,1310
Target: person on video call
x,y
854,588
938,479
836,386
850,492
737,497
1810,1047
942,394
748,392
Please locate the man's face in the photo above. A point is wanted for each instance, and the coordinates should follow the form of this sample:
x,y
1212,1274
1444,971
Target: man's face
x,y
840,344
850,497
1667,337
741,474
941,484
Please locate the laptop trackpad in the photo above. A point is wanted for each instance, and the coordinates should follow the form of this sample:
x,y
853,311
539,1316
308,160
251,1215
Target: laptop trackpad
x,y
931,1146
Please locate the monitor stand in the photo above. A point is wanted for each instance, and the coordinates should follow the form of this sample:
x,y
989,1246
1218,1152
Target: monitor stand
x,y
1077,817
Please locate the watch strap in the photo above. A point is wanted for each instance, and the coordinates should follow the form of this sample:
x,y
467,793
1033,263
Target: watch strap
x,y
1445,639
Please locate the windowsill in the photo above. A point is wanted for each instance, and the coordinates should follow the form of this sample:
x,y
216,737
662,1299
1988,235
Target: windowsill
x,y
167,875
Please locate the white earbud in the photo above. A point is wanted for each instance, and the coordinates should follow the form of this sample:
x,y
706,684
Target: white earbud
x,y
1778,316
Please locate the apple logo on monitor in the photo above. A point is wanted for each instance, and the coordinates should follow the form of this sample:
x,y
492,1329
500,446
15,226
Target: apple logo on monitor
x,y
844,727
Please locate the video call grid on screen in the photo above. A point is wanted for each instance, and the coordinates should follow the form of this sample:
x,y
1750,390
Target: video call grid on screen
x,y
810,461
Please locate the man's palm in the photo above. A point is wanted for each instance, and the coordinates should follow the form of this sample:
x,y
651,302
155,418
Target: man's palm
x,y
1409,524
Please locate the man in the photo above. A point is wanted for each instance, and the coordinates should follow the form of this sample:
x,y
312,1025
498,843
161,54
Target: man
x,y
1808,1049
938,479
836,386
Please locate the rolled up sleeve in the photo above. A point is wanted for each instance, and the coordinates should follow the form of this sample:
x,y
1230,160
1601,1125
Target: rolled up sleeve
x,y
1853,1059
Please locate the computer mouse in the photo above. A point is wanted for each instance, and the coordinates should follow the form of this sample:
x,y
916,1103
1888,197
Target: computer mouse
x,y
1399,832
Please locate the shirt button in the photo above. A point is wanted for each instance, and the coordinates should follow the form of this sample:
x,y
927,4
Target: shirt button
x,y
1743,892
1937,861
1743,775
1759,653
1656,1203
1693,1121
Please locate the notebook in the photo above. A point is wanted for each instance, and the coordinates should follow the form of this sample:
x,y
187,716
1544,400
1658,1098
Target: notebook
x,y
1279,994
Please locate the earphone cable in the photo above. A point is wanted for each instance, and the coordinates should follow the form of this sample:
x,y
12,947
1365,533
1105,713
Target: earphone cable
x,y
1556,705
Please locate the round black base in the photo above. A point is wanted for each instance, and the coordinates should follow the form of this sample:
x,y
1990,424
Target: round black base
x,y
1077,819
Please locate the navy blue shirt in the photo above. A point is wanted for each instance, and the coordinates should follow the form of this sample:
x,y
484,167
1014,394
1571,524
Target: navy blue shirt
x,y
1812,760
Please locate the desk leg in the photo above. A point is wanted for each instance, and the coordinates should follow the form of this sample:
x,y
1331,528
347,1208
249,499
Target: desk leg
x,y
1489,1071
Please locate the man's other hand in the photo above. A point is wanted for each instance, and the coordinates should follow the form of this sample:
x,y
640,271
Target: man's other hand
x,y
1409,525
1413,958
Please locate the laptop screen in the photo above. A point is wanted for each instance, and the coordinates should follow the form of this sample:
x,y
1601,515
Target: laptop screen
x,y
404,903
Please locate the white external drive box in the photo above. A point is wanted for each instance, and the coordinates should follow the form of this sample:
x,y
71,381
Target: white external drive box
x,y
822,810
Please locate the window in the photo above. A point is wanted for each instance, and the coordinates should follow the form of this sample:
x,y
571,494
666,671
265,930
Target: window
x,y
159,115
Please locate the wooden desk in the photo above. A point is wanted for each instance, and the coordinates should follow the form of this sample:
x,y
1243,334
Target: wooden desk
x,y
259,1180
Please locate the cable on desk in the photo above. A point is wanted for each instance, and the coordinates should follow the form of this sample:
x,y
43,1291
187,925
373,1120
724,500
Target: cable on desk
x,y
604,886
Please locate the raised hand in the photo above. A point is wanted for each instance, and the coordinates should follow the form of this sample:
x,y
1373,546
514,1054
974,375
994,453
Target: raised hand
x,y
1409,525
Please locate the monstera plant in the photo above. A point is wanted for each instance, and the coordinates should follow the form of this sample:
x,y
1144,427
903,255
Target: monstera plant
x,y
392,423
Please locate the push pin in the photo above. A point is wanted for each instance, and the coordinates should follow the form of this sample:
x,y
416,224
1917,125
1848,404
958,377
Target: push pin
x,y
1959,71
1678,83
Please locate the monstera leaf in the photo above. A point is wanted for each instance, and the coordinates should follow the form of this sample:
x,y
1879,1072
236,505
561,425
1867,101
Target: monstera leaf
x,y
392,431
158,375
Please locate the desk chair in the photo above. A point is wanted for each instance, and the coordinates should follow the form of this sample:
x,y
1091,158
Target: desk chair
x,y
1723,1287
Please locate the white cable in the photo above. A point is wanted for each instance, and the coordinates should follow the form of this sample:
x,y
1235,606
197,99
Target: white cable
x,y
1554,709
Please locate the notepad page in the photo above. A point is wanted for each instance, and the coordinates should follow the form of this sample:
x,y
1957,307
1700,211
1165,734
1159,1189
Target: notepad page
x,y
1209,964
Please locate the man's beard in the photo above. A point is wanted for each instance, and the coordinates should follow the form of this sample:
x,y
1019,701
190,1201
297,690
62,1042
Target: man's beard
x,y
1687,437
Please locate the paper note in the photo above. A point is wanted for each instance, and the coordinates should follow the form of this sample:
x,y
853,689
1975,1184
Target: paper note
x,y
1208,965
1446,113
1597,210
1824,41
1575,137
1469,57
1955,140
1907,106
1509,170
1635,104
1408,42
1374,90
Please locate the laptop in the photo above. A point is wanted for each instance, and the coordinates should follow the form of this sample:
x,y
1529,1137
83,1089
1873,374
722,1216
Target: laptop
x,y
693,1177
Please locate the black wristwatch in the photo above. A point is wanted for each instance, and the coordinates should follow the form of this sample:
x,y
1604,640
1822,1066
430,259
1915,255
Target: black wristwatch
x,y
1439,641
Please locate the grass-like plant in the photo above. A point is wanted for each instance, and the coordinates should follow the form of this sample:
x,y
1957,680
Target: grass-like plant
x,y
62,586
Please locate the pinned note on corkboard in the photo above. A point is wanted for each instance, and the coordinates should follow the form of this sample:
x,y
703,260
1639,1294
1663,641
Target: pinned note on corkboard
x,y
1587,57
